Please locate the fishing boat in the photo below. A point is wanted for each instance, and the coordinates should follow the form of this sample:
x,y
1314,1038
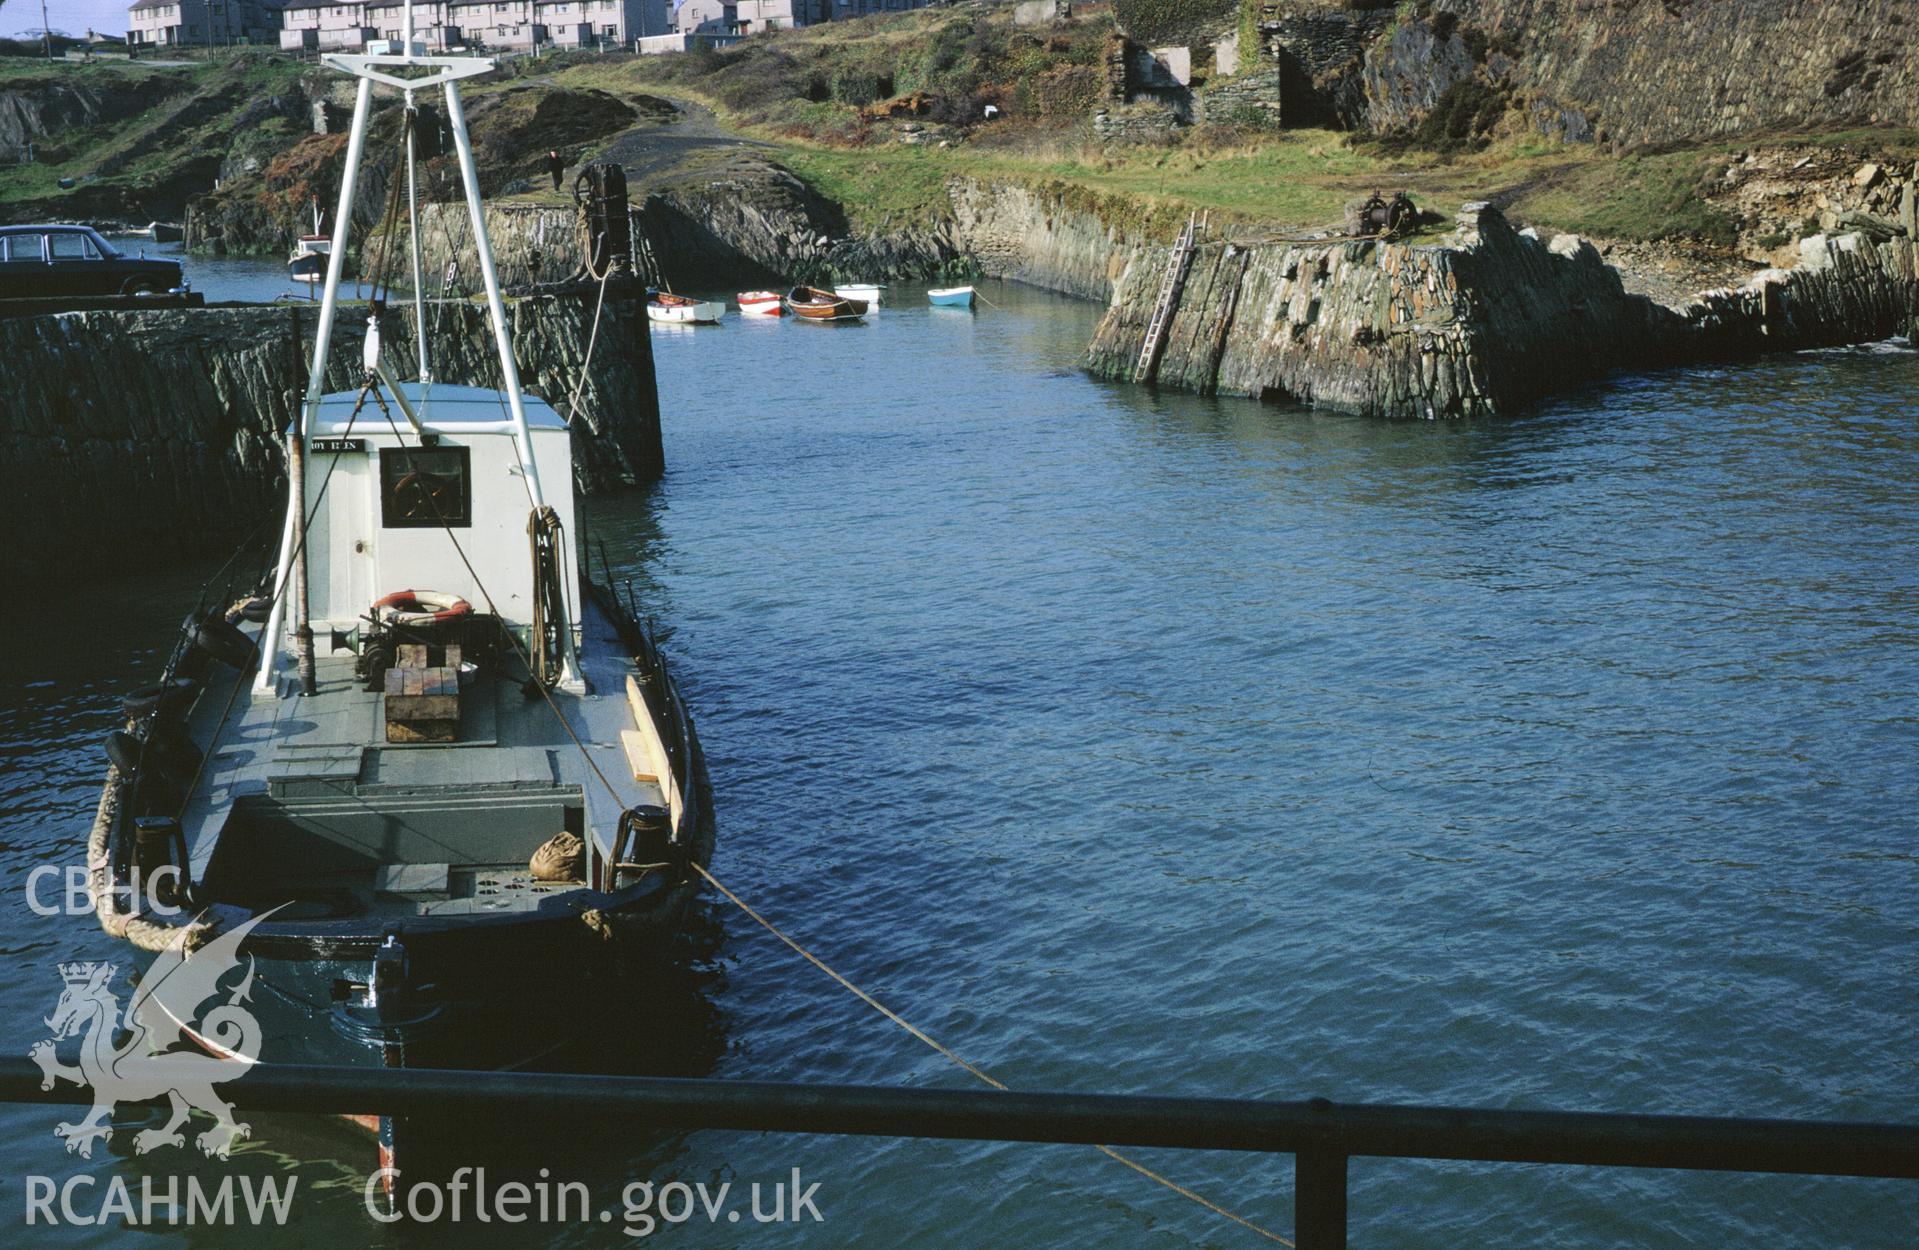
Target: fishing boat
x,y
868,291
671,309
760,304
308,262
951,297
428,779
809,303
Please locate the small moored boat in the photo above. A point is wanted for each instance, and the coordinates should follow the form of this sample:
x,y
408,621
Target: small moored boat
x,y
809,303
760,304
308,261
679,310
868,291
952,297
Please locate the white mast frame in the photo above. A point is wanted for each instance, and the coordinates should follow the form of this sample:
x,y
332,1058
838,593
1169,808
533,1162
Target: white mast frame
x,y
445,72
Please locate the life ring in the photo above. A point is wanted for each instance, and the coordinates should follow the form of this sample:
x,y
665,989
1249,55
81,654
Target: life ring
x,y
421,607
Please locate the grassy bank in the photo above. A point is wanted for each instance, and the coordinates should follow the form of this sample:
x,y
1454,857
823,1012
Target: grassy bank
x,y
835,100
140,134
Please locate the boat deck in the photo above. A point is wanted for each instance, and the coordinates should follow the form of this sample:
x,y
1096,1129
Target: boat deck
x,y
304,795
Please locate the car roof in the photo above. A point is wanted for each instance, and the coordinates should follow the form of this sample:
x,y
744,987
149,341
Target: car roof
x,y
51,225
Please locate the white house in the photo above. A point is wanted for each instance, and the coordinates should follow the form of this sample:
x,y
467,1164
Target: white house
x,y
202,23
695,17
510,25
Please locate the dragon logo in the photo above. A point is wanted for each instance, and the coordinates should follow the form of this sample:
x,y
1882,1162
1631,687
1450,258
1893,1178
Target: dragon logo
x,y
175,1019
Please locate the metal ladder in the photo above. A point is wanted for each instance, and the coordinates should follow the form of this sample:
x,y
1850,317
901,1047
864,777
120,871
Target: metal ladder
x,y
1176,267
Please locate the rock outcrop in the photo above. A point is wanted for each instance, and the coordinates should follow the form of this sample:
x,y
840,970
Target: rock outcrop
x,y
1653,71
1478,326
1626,71
124,435
1048,238
746,223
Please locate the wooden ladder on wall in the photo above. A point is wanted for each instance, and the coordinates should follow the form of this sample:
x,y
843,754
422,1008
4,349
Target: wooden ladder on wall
x,y
1177,266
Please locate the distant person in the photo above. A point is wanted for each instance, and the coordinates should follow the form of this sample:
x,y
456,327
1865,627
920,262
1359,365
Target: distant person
x,y
555,166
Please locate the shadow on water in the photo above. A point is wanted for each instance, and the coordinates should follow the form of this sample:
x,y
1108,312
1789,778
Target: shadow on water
x,y
663,1022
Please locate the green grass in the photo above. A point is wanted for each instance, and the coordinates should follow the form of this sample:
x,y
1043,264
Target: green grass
x,y
876,186
192,113
1641,197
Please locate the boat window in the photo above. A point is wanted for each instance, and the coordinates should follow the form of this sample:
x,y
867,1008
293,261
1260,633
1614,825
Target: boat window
x,y
68,245
425,486
25,247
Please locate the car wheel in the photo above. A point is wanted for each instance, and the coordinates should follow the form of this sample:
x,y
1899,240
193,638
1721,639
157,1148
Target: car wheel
x,y
138,286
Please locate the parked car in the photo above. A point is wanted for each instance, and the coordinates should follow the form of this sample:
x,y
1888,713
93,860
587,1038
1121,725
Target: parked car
x,y
42,262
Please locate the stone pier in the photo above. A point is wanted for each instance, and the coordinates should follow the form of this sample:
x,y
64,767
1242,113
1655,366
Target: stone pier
x,y
156,434
1480,325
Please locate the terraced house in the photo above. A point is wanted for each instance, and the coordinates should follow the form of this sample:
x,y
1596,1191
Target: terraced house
x,y
508,25
202,23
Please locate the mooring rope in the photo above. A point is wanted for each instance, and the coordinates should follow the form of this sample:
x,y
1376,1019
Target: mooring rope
x,y
974,1069
592,340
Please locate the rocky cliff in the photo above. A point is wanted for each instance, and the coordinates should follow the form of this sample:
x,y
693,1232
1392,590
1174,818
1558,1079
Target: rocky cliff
x,y
1651,71
129,434
1623,71
753,223
1479,325
267,190
1053,238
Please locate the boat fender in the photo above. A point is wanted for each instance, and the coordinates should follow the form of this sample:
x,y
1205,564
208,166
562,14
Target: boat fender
x,y
153,841
168,698
173,753
420,607
175,761
253,608
225,642
123,752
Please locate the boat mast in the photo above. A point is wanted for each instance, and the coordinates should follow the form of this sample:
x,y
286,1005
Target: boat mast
x,y
413,215
444,72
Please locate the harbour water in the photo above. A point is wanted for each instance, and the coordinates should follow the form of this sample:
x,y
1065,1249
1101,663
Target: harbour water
x,y
1147,743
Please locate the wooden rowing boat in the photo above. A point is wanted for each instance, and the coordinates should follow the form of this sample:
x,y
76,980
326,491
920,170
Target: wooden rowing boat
x,y
809,303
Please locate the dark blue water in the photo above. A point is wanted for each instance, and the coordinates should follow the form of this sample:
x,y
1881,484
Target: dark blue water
x,y
1157,744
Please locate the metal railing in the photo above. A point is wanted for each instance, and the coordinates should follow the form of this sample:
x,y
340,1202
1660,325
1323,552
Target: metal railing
x,y
1324,1136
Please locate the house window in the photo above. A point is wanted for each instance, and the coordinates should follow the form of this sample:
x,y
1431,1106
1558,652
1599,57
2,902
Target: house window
x,y
425,487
